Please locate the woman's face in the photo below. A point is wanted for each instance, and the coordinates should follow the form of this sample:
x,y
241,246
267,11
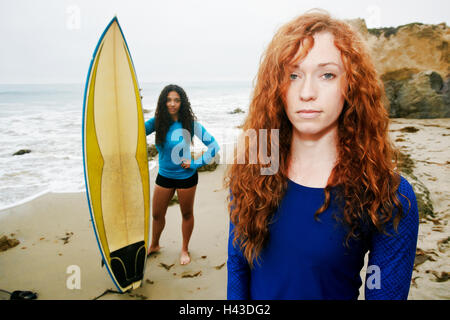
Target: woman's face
x,y
173,103
314,97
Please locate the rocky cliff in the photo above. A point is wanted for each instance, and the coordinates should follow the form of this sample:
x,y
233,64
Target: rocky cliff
x,y
413,61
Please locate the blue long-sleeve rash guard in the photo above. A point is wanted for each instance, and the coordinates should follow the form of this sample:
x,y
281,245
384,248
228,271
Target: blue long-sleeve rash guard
x,y
175,148
307,259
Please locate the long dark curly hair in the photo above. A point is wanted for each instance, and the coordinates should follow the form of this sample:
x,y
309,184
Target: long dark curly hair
x,y
163,120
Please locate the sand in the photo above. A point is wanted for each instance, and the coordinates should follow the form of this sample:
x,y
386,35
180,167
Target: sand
x,y
429,148
56,234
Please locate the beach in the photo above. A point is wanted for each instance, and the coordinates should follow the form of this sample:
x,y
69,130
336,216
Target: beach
x,y
56,235
427,142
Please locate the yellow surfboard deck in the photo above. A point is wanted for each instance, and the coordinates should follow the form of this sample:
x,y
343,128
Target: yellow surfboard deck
x,y
115,160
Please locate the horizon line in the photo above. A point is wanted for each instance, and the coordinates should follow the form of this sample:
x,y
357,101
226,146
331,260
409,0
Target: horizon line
x,y
144,81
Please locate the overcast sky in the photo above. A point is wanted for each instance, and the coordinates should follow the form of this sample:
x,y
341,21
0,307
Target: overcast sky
x,y
51,41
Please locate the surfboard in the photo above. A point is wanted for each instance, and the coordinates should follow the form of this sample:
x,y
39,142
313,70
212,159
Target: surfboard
x,y
115,159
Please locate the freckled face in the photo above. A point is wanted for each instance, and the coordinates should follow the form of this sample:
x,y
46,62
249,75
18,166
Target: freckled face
x,y
314,97
173,103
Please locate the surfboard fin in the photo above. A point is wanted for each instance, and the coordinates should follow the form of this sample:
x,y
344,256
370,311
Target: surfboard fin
x,y
127,263
103,263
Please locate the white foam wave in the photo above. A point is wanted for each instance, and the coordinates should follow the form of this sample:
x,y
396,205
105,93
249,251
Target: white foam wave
x,y
25,200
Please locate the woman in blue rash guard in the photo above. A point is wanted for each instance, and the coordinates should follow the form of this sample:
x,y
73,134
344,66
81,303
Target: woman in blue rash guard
x,y
302,231
175,125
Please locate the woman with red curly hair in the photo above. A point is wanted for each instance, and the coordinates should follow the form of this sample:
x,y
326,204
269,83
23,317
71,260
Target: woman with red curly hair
x,y
302,231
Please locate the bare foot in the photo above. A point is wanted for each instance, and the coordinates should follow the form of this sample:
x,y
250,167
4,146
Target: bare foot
x,y
184,257
153,250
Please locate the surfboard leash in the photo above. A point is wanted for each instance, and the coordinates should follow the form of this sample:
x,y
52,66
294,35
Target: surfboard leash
x,y
110,291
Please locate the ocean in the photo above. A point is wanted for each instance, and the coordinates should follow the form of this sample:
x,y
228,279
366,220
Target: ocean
x,y
47,119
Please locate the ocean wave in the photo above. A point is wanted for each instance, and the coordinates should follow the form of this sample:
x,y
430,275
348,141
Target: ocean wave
x,y
17,202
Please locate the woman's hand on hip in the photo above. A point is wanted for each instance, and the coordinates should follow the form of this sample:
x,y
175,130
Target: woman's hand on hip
x,y
186,164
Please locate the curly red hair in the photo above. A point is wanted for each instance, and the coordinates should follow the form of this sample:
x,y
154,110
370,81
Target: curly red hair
x,y
364,175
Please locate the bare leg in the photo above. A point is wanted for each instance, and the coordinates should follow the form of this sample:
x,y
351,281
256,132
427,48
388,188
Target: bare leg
x,y
186,199
161,199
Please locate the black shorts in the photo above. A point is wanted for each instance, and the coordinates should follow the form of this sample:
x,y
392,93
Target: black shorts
x,y
177,183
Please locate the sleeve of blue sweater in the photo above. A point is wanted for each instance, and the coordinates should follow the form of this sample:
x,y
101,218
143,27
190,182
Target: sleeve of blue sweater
x,y
209,141
149,126
392,256
238,282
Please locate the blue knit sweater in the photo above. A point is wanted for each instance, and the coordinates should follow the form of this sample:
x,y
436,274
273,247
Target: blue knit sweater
x,y
307,259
